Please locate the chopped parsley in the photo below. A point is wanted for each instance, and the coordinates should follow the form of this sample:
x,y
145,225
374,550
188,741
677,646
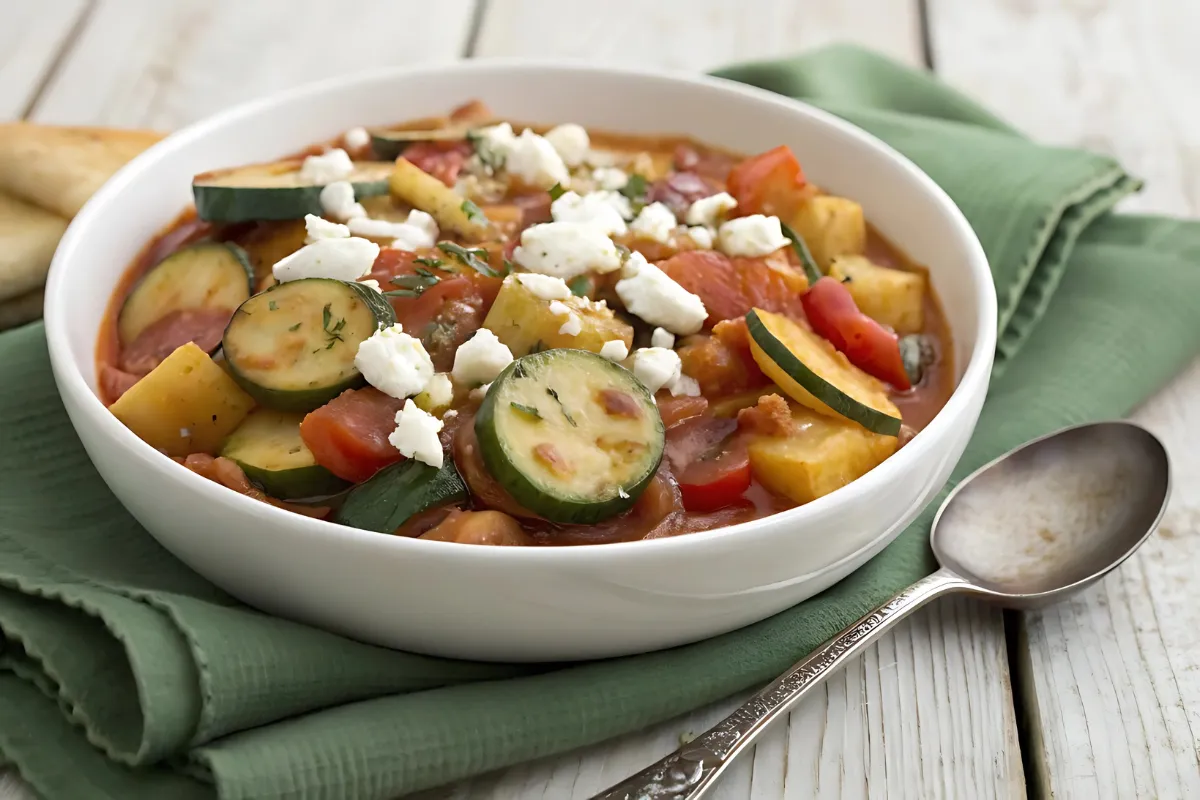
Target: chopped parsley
x,y
272,306
581,285
333,334
473,212
557,191
554,394
635,189
412,285
428,262
524,409
295,327
475,258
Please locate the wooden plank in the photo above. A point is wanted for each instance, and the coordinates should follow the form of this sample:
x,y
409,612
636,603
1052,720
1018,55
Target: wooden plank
x,y
691,34
927,712
1111,679
31,39
163,65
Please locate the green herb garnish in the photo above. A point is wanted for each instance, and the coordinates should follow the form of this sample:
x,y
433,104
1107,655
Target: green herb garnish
x,y
556,191
295,327
428,262
412,285
554,394
524,409
474,213
635,189
811,270
475,258
581,285
334,334
272,306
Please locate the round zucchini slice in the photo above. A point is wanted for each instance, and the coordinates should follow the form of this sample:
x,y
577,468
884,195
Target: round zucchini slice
x,y
570,435
816,375
389,144
275,191
268,448
292,347
212,276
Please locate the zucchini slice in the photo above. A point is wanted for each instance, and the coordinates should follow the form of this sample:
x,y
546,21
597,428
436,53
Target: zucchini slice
x,y
212,275
570,435
275,191
268,448
292,347
816,375
391,496
389,144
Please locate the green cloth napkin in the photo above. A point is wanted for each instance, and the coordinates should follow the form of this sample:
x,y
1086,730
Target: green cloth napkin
x,y
127,676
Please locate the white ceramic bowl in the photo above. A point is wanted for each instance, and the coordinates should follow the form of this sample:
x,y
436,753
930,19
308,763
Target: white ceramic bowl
x,y
519,604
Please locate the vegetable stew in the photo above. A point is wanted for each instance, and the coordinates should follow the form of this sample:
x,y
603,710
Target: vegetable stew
x,y
473,331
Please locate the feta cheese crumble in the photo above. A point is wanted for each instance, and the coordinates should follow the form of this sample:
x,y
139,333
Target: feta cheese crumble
x,y
651,294
559,309
654,222
340,259
686,386
572,326
546,287
535,161
610,178
756,235
614,350
416,435
566,249
394,362
662,338
571,141
606,211
321,228
703,237
656,367
356,138
480,359
373,284
337,200
417,231
440,391
491,145
709,211
332,165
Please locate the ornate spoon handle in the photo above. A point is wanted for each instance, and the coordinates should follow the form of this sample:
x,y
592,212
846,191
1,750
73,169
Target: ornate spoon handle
x,y
689,772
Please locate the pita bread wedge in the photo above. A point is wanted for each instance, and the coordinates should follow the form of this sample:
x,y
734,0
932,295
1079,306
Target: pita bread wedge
x,y
59,168
19,310
28,236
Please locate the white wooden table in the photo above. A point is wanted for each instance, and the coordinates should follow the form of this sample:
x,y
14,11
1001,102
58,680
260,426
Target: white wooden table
x,y
1097,698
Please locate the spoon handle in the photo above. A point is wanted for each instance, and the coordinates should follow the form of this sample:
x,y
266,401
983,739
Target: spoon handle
x,y
689,772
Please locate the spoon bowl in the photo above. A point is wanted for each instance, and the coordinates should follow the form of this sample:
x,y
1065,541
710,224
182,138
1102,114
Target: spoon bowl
x,y
1054,515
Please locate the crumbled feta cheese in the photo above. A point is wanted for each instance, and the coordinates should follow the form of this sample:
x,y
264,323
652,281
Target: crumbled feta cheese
x,y
662,338
609,178
321,228
185,433
547,287
571,141
703,237
479,392
604,210
572,326
337,200
492,145
656,367
480,359
756,235
621,493
412,234
614,350
654,222
535,161
333,165
439,390
708,211
559,309
416,435
686,386
340,259
356,138
394,362
651,294
450,414
566,249
374,284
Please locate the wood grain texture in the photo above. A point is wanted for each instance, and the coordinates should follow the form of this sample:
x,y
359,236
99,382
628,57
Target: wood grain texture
x,y
31,39
1109,75
694,34
164,64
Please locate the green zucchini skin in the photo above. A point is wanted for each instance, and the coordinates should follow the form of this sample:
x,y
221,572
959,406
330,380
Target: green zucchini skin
x,y
274,320
800,247
206,275
388,145
275,191
508,433
398,492
870,418
269,449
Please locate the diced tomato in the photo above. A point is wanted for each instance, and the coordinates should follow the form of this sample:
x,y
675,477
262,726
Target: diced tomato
x,y
770,183
712,483
349,434
871,347
675,410
442,160
730,287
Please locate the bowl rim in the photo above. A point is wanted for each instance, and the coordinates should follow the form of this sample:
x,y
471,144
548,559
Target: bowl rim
x,y
974,378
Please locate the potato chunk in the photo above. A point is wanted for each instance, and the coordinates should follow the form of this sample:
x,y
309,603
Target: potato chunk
x,y
525,322
823,454
187,404
412,185
893,297
831,226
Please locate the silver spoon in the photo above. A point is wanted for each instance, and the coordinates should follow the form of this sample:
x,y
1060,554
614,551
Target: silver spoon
x,y
1035,525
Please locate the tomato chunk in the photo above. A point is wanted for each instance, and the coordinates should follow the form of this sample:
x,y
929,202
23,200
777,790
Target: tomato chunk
x,y
349,435
675,410
871,347
770,183
442,160
730,287
712,483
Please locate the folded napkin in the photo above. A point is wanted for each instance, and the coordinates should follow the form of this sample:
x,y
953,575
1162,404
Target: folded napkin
x,y
127,676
